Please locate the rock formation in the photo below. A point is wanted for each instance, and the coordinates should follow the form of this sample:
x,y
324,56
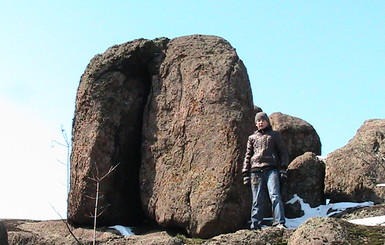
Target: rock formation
x,y
107,132
3,234
353,171
306,179
319,230
298,135
199,113
269,235
173,117
316,230
257,109
196,124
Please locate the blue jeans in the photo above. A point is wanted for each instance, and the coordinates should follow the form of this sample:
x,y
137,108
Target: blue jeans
x,y
265,187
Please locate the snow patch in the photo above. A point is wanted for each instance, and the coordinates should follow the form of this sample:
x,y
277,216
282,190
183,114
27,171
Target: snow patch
x,y
326,210
124,231
372,221
321,158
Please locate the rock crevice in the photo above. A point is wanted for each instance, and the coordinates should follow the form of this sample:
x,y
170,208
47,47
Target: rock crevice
x,y
107,127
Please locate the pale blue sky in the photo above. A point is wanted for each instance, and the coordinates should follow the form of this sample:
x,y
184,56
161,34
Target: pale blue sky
x,y
321,61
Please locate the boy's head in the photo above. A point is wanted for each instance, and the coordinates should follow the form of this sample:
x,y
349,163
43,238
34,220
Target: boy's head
x,y
262,120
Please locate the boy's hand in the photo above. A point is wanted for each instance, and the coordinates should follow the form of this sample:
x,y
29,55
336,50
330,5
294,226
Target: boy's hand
x,y
246,180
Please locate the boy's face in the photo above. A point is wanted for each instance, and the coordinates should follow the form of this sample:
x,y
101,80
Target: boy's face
x,y
261,124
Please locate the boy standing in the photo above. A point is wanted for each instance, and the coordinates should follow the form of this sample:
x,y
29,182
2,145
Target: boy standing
x,y
265,162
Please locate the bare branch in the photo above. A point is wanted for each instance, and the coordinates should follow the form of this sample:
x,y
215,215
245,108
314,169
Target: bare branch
x,y
98,211
90,215
61,162
90,197
103,210
67,145
112,168
93,179
64,134
67,225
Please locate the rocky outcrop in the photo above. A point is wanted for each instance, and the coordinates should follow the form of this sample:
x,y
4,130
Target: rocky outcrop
x,y
107,132
361,213
56,233
196,125
353,171
305,179
319,230
298,135
256,110
199,113
172,118
269,235
316,230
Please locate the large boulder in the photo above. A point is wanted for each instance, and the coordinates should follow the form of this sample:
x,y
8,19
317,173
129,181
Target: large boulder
x,y
354,171
306,180
257,109
196,125
107,132
270,235
297,134
318,230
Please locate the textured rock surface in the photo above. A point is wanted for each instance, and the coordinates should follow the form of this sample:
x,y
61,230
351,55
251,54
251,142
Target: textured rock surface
x,y
257,109
3,235
313,231
196,125
306,176
107,131
298,135
56,233
353,171
335,231
269,235
361,213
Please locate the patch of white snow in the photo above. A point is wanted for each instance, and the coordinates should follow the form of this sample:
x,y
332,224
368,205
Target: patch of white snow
x,y
321,158
326,210
372,221
125,231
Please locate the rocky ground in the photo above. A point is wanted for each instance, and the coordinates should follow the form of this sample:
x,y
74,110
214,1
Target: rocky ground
x,y
317,230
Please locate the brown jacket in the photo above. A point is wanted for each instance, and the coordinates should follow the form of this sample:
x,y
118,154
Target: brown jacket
x,y
265,150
